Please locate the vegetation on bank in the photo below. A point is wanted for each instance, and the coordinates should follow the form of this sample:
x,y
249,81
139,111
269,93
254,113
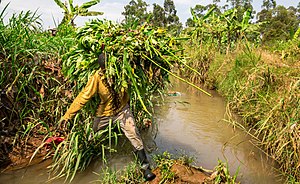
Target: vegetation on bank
x,y
32,86
260,82
259,77
170,169
264,90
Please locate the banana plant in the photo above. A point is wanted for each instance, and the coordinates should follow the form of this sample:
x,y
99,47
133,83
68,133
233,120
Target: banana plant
x,y
223,29
71,11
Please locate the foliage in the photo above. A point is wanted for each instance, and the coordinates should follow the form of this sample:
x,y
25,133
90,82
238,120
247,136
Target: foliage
x,y
275,18
171,21
158,16
71,11
136,11
265,93
223,30
241,6
81,146
139,59
223,174
199,11
269,4
165,163
169,169
288,50
200,57
30,79
130,174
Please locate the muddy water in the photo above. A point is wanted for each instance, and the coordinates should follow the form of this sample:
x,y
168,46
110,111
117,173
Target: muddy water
x,y
191,124
195,124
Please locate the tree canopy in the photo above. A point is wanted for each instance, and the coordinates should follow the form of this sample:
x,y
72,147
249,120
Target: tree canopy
x,y
161,16
279,22
135,11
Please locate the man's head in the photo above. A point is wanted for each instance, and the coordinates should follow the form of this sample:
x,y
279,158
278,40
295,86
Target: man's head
x,y
101,60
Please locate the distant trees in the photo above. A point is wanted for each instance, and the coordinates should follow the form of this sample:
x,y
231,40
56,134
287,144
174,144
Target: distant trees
x,y
279,22
241,6
276,22
171,21
136,11
161,16
268,4
158,16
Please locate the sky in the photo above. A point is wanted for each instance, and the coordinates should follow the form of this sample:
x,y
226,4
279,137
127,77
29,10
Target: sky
x,y
51,13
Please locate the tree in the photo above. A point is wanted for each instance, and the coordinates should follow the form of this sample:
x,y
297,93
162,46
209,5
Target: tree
x,y
171,20
71,11
269,4
158,16
136,11
280,23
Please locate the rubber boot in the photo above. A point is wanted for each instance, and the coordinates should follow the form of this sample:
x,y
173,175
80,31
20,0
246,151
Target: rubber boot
x,y
145,166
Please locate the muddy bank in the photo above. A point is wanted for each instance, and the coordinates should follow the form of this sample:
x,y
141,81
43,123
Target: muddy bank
x,y
180,173
9,126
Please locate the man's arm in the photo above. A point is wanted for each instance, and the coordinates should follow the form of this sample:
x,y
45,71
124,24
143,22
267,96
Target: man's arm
x,y
83,97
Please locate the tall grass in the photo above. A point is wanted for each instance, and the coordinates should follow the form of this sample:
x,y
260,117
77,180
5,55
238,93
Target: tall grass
x,y
81,146
265,94
31,83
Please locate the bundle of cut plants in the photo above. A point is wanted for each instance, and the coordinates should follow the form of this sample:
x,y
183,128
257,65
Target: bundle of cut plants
x,y
139,59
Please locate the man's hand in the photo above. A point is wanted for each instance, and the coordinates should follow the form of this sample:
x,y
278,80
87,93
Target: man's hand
x,y
147,123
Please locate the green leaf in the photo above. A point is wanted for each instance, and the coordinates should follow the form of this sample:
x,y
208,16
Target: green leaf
x,y
76,166
62,5
89,4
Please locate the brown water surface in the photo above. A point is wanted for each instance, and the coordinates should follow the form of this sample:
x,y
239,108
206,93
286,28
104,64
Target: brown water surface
x,y
192,124
196,125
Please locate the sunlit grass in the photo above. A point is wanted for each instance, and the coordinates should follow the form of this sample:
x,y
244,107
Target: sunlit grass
x,y
265,95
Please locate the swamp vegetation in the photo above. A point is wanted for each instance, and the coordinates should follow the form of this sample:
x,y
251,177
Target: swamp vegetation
x,y
42,73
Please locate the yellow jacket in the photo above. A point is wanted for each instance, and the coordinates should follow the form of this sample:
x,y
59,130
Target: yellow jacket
x,y
111,103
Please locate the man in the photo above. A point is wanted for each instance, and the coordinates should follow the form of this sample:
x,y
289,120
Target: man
x,y
113,107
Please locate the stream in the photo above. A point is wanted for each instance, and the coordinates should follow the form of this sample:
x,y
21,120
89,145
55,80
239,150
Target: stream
x,y
190,123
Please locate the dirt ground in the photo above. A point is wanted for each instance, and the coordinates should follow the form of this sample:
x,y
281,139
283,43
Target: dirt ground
x,y
21,154
184,174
